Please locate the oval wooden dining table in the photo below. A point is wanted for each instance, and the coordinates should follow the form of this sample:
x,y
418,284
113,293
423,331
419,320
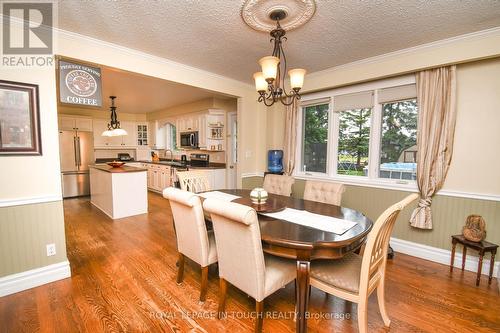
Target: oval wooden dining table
x,y
304,244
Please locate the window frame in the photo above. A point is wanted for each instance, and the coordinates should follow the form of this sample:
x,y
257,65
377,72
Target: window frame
x,y
372,179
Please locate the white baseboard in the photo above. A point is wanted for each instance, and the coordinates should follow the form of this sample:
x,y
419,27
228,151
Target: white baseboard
x,y
443,256
14,283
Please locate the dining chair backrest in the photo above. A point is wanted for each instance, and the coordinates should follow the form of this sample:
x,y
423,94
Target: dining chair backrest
x,y
189,222
239,247
325,192
278,184
193,181
375,253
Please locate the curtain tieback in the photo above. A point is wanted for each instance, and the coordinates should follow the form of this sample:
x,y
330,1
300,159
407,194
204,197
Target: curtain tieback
x,y
425,202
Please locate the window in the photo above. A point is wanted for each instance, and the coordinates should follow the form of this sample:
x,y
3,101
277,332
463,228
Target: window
x,y
373,133
170,136
398,148
353,143
315,138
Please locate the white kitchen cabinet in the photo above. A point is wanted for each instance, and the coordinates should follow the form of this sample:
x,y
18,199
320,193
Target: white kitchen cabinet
x,y
159,176
202,131
188,123
75,123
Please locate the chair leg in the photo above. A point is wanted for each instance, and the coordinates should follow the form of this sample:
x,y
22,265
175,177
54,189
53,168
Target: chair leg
x,y
259,309
180,269
204,283
381,304
222,298
363,316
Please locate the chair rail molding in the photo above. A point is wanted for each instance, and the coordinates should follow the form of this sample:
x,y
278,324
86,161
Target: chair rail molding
x,y
14,283
29,200
442,256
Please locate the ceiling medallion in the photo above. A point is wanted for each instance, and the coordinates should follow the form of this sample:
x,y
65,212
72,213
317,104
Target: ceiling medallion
x,y
257,13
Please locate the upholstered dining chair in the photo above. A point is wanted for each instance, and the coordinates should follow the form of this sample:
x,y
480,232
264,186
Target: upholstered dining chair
x,y
193,240
278,184
355,277
325,192
242,262
193,181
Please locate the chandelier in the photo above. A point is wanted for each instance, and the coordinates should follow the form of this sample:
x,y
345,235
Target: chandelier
x,y
270,82
114,125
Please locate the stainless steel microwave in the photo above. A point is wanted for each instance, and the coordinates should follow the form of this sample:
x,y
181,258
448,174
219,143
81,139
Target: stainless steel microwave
x,y
189,140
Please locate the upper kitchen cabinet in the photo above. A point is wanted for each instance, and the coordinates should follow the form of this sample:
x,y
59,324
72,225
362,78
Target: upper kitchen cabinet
x,y
129,140
71,123
187,123
142,134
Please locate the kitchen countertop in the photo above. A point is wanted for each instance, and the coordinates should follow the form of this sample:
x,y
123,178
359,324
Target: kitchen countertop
x,y
210,166
122,169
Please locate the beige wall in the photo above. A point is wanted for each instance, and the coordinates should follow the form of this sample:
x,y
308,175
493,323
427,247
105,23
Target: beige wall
x,y
27,227
34,176
476,156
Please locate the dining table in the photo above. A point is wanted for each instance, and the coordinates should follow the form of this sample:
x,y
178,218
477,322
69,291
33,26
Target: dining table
x,y
303,243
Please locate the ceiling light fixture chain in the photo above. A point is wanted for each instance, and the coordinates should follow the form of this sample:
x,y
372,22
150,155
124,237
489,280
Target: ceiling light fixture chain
x,y
270,83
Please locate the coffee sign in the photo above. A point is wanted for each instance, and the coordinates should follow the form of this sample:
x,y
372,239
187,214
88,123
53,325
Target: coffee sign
x,y
79,84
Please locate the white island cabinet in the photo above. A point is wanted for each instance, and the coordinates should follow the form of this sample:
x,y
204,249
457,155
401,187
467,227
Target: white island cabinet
x,y
119,192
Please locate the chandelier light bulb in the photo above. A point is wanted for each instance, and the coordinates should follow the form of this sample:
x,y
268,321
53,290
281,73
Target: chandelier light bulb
x,y
260,81
269,67
297,77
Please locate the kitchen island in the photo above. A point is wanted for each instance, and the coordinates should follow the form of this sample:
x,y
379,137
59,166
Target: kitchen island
x,y
119,192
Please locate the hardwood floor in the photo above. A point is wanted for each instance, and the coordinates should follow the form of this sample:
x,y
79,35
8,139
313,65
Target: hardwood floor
x,y
124,280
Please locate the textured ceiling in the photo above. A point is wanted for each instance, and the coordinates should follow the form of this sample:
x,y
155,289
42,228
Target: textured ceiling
x,y
210,34
137,93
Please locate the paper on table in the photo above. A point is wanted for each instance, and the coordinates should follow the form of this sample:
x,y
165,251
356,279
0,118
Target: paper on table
x,y
218,195
316,221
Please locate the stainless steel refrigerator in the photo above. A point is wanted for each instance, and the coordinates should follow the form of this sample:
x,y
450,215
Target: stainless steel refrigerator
x,y
76,150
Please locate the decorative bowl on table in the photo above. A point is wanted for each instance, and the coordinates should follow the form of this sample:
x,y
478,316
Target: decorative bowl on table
x,y
258,196
115,164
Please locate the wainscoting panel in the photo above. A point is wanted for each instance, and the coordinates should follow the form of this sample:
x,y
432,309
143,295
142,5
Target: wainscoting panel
x,y
449,213
25,231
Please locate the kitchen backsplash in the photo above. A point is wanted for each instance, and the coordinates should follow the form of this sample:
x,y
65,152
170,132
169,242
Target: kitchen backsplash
x,y
218,157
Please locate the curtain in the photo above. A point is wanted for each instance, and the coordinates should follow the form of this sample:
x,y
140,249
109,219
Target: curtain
x,y
436,128
290,144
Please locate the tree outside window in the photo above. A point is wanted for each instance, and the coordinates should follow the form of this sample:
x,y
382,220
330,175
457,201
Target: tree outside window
x,y
399,140
314,153
354,141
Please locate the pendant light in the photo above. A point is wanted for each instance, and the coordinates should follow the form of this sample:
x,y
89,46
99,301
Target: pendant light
x,y
114,125
270,82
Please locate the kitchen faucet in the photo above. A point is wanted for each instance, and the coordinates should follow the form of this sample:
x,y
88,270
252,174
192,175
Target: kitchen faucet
x,y
171,154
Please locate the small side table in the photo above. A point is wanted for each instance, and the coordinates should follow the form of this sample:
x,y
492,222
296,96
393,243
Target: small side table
x,y
481,247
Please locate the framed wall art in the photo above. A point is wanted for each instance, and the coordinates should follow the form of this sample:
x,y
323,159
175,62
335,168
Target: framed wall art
x,y
19,119
79,84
